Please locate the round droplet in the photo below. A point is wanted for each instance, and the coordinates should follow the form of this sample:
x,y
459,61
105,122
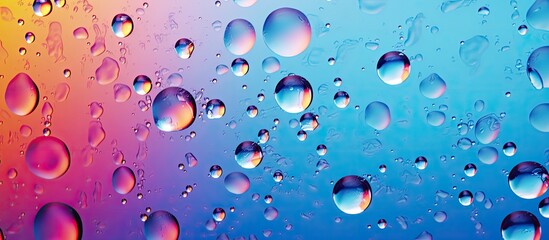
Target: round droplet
x,y
60,3
121,92
520,225
251,111
529,180
321,150
479,105
393,68
237,182
432,86
421,163
263,136
440,216
301,135
487,155
308,121
537,15
352,194
487,128
47,157
240,67
484,11
42,8
57,221
174,109
543,207
161,225
29,37
218,214
245,3
436,118
522,29
287,32
215,108
142,85
216,171
509,149
184,48
80,33
278,176
538,69
248,154
270,65
123,180
377,115
270,213
465,198
221,69
539,117
293,94
341,99
382,223
22,95
122,25
239,36
470,170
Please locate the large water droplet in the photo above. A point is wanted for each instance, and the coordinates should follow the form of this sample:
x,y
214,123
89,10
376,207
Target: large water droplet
x,y
538,67
184,48
393,67
433,86
529,180
107,72
352,194
293,94
487,128
377,115
287,32
520,225
215,108
248,154
240,67
239,36
539,117
270,65
142,84
122,25
42,8
57,221
538,15
161,225
174,109
237,182
47,157
123,180
21,95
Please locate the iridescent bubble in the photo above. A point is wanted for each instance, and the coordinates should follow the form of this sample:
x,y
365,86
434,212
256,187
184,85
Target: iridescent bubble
x,y
60,3
421,163
509,149
293,94
122,25
308,121
161,225
321,150
123,180
239,37
436,118
341,99
520,225
218,214
42,8
487,128
539,117
529,180
377,115
121,92
465,198
237,182
216,171
245,3
543,207
142,85
240,67
184,48
263,136
352,194
393,67
301,135
248,154
522,29
215,108
433,86
440,216
338,81
21,95
270,65
251,111
270,213
278,176
537,67
47,157
538,15
174,109
29,37
487,155
107,72
57,220
470,170
287,32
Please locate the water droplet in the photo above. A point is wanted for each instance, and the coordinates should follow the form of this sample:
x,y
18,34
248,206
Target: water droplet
x,y
509,149
47,157
240,67
341,99
251,111
60,3
107,72
245,3
121,92
80,33
432,86
539,117
42,8
421,163
470,170
96,110
248,154
440,216
218,214
237,182
472,49
216,171
287,32
377,115
263,136
161,225
270,213
96,133
537,15
522,29
529,180
123,180
352,194
215,108
436,118
543,207
239,37
278,176
57,221
174,109
29,37
270,65
487,155
465,198
21,95
142,84
371,6
62,92
293,94
122,25
484,11
184,48
308,121
520,225
487,128
479,105
393,68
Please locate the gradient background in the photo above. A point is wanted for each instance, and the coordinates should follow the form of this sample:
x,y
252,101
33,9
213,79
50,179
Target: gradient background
x,y
303,199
